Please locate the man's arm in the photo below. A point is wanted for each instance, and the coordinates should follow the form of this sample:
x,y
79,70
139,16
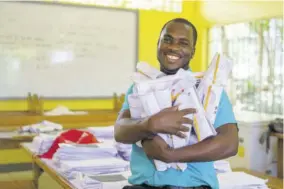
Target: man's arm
x,y
130,131
223,145
127,130
170,121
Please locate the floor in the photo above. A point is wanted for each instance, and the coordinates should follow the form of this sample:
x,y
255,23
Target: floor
x,y
16,180
23,180
15,171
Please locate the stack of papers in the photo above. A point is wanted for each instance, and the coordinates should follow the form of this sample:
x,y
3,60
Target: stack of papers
x,y
124,150
93,166
103,181
213,83
84,151
222,166
102,132
240,180
43,142
81,181
62,110
42,127
153,92
89,183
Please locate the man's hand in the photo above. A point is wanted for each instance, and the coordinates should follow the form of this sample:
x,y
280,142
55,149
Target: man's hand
x,y
157,148
223,145
170,121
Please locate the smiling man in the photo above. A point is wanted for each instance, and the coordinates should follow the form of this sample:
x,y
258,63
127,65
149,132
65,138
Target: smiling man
x,y
176,47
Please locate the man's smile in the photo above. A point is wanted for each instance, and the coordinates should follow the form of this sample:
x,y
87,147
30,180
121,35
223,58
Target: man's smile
x,y
172,57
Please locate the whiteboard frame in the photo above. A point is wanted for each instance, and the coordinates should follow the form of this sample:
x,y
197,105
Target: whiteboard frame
x,y
67,4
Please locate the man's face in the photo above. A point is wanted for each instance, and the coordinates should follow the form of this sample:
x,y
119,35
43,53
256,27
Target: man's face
x,y
175,47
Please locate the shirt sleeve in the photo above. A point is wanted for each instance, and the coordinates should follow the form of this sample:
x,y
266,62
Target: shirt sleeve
x,y
125,105
225,112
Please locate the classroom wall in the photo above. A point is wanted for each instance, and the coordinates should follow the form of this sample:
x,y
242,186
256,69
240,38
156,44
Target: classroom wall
x,y
150,23
204,14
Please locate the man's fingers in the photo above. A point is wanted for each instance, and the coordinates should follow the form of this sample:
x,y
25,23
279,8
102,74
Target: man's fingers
x,y
173,108
180,134
185,120
188,111
183,128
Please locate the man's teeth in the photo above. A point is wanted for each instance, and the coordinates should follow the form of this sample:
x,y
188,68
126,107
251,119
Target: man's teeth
x,y
172,57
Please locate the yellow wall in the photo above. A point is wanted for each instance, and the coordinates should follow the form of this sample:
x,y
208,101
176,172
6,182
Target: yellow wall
x,y
150,26
150,23
21,105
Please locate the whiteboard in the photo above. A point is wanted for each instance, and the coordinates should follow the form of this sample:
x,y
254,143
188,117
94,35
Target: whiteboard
x,y
66,51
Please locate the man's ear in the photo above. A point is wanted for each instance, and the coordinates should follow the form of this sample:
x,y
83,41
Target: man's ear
x,y
193,52
158,42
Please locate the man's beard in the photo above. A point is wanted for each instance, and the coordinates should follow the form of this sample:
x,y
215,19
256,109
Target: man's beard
x,y
172,72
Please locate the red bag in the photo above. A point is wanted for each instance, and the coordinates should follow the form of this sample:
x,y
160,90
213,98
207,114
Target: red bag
x,y
70,136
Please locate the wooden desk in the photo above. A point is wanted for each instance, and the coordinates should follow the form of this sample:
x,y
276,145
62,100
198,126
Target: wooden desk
x,y
279,153
12,140
39,166
273,182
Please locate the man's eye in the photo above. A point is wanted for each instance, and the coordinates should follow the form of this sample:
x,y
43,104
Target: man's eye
x,y
184,43
167,40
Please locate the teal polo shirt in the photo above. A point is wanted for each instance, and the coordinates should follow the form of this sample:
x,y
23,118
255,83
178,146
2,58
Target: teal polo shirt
x,y
196,174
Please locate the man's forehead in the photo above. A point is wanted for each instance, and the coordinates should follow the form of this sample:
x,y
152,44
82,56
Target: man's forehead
x,y
178,29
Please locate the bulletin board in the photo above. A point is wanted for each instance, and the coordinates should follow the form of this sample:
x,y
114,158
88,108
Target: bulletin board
x,y
66,51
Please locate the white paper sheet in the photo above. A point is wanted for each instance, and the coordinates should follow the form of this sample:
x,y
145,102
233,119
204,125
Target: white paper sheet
x,y
102,132
240,180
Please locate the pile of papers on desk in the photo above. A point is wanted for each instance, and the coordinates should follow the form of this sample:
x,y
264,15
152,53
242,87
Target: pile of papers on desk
x,y
102,181
222,166
105,132
43,142
240,180
86,182
84,151
97,158
123,150
93,166
41,127
62,110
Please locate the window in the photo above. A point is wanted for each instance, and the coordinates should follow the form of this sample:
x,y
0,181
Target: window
x,y
256,47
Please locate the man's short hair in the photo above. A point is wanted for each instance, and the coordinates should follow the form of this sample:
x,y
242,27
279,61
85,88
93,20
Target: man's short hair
x,y
186,22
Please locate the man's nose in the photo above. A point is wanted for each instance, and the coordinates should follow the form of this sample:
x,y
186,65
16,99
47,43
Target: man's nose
x,y
174,46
